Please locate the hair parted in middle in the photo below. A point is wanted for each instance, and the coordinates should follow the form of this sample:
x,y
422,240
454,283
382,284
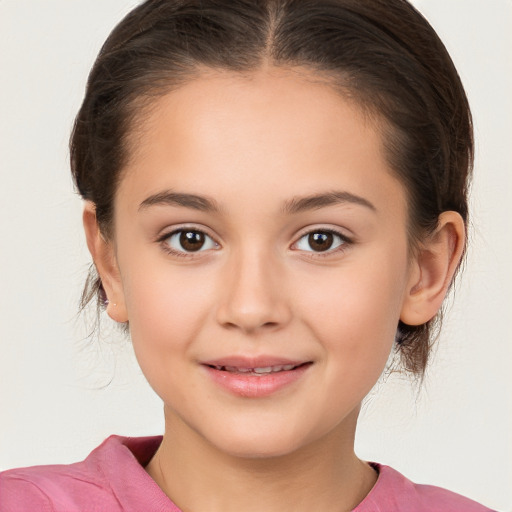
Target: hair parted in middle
x,y
381,54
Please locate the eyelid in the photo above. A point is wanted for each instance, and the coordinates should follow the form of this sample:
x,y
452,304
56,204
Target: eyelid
x,y
325,229
346,241
171,231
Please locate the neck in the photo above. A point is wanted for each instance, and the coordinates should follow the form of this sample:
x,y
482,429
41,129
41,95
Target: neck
x,y
324,475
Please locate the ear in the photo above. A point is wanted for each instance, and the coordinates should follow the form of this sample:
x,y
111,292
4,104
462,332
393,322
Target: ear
x,y
103,255
432,270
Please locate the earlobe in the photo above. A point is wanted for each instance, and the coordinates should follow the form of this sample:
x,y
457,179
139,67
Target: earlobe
x,y
432,270
102,253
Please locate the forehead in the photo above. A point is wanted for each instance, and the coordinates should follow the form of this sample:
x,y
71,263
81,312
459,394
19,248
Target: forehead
x,y
287,97
282,129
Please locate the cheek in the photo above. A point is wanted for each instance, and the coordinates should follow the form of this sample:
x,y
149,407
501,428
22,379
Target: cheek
x,y
357,313
166,308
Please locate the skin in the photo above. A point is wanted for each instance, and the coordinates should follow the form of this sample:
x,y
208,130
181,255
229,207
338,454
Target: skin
x,y
253,144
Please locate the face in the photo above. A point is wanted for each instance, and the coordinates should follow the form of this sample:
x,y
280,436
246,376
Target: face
x,y
261,244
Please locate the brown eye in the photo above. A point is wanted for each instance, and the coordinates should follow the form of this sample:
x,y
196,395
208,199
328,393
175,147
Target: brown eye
x,y
189,240
320,241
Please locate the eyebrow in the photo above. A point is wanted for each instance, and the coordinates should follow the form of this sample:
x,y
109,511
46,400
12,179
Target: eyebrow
x,y
170,198
321,200
293,205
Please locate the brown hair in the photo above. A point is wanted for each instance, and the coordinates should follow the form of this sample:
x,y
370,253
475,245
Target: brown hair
x,y
381,52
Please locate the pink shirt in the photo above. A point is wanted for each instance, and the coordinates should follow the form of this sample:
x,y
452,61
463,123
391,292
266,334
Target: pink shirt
x,y
112,479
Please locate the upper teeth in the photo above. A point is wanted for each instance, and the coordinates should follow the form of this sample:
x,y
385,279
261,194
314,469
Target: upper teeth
x,y
259,370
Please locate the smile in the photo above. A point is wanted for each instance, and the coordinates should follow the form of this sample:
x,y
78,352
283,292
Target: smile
x,y
264,370
255,379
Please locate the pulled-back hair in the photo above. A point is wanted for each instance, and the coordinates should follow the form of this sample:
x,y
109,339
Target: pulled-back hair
x,y
381,53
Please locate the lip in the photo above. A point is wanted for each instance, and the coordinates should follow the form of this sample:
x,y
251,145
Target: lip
x,y
250,385
253,362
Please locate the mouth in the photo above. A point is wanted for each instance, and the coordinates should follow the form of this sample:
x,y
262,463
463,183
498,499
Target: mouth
x,y
256,377
258,371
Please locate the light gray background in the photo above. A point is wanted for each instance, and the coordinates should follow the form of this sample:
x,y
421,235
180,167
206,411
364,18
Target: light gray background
x,y
54,406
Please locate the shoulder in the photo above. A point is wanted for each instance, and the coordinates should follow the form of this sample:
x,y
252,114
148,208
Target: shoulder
x,y
393,491
51,488
96,483
18,493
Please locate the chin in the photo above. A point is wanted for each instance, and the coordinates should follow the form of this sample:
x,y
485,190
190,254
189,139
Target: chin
x,y
260,443
255,450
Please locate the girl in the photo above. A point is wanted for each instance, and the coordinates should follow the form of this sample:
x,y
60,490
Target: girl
x,y
275,198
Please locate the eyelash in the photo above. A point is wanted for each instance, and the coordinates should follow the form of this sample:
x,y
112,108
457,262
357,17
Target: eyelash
x,y
181,254
345,242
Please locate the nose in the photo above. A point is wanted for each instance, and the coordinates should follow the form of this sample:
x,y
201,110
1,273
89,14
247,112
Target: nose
x,y
254,296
